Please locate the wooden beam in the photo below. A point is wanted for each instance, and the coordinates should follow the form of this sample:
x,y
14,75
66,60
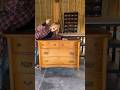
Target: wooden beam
x,y
56,11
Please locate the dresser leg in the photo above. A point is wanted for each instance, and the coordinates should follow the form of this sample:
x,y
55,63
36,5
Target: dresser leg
x,y
40,68
78,69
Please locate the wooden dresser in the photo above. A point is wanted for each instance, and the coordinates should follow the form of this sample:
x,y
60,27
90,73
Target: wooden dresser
x,y
96,61
21,61
59,53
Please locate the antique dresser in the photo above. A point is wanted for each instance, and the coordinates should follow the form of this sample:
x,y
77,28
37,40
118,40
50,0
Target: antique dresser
x,y
59,53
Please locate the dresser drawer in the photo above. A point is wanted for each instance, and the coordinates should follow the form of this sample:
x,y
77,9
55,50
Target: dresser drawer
x,y
23,44
58,52
94,45
23,63
94,59
58,44
49,52
59,60
68,60
51,60
24,82
68,44
94,66
94,54
50,44
93,81
68,52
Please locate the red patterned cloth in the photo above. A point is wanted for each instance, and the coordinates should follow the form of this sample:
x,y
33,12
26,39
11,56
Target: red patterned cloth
x,y
16,13
42,31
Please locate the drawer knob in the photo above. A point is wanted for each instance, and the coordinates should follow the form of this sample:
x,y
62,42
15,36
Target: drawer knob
x,y
46,60
71,53
54,44
18,45
46,53
71,61
27,82
42,44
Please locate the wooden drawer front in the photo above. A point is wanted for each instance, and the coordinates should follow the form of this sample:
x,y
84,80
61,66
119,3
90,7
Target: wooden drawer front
x,y
58,44
59,60
94,46
24,82
68,44
58,52
46,44
49,52
24,63
51,60
93,66
23,44
93,81
68,52
68,60
94,54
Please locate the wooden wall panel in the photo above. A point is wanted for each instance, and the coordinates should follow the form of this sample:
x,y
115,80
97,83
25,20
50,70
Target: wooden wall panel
x,y
56,12
37,13
119,9
82,17
104,8
45,9
111,8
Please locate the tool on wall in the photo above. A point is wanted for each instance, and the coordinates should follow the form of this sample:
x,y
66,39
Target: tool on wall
x,y
70,22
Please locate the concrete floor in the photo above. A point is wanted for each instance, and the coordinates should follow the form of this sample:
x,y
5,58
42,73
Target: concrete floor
x,y
60,79
70,79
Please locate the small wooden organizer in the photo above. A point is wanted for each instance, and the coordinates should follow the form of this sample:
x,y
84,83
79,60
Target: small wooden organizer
x,y
70,22
59,53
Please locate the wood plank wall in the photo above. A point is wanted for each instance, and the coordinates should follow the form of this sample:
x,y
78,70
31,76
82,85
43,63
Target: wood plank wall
x,y
111,8
45,9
